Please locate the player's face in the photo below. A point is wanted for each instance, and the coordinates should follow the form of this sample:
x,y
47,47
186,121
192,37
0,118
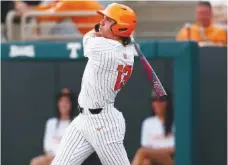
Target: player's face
x,y
64,105
105,27
159,107
203,15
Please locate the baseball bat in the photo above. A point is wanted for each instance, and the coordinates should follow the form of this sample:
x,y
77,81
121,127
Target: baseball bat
x,y
153,78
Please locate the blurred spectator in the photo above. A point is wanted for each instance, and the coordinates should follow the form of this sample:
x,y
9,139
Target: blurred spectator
x,y
19,5
6,6
157,138
204,31
66,6
56,127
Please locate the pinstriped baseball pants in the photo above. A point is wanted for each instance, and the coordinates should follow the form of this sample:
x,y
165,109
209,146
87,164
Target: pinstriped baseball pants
x,y
103,133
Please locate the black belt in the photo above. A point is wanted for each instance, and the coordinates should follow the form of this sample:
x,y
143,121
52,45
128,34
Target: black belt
x,y
93,111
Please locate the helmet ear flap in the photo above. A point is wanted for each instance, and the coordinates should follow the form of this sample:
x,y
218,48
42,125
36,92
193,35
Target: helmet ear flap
x,y
115,29
121,30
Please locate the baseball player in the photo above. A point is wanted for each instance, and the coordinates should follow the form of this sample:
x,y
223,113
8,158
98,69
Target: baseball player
x,y
100,127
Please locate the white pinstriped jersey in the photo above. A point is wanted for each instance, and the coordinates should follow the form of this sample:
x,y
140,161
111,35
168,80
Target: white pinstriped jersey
x,y
108,68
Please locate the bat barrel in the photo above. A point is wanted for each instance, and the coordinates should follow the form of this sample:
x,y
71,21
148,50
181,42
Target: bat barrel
x,y
157,86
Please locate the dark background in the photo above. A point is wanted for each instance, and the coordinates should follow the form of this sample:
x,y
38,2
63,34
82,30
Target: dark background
x,y
29,87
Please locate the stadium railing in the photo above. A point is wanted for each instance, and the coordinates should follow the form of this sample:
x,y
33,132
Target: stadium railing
x,y
26,26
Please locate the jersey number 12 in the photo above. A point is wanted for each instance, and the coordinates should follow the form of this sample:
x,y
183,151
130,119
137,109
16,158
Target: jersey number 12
x,y
124,73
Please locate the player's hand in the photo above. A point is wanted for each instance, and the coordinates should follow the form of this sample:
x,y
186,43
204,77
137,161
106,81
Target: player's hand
x,y
96,28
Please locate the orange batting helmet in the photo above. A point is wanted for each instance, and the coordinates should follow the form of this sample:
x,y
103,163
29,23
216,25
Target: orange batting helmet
x,y
124,16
